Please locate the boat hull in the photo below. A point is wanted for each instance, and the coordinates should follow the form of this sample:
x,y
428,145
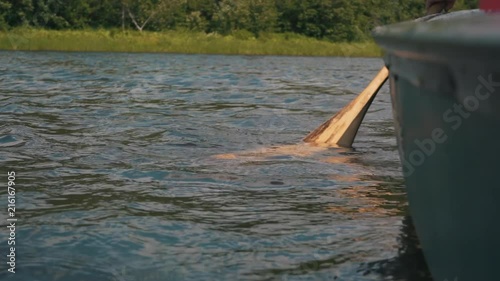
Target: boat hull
x,y
446,107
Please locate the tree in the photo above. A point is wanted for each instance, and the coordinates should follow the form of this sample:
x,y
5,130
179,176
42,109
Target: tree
x,y
4,10
106,13
20,12
199,14
141,12
259,15
224,18
465,4
172,13
144,11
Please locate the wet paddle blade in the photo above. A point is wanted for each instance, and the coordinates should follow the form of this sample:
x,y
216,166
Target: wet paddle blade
x,y
341,129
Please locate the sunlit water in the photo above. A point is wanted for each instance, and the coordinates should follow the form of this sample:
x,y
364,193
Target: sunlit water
x,y
119,173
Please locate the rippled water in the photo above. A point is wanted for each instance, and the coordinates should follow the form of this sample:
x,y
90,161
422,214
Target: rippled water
x,y
171,167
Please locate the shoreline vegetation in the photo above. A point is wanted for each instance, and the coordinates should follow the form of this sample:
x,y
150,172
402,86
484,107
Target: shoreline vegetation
x,y
186,42
244,27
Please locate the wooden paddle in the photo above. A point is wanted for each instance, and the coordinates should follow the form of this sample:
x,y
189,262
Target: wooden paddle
x,y
341,129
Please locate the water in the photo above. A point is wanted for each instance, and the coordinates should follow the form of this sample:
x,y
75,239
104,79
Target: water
x,y
162,167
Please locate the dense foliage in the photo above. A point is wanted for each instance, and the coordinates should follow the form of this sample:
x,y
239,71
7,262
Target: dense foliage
x,y
335,20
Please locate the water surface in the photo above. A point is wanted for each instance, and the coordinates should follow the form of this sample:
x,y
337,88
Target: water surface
x,y
118,176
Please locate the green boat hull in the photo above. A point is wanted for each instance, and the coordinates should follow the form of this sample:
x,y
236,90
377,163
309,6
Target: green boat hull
x,y
445,90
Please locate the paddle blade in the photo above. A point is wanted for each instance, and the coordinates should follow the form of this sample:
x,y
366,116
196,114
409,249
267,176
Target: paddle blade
x,y
341,129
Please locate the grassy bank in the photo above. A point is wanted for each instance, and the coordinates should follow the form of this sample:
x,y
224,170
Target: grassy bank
x,y
179,42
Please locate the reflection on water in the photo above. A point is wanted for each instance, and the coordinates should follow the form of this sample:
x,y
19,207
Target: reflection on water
x,y
172,167
409,264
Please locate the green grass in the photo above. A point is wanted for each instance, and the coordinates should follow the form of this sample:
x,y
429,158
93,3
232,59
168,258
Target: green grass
x,y
241,43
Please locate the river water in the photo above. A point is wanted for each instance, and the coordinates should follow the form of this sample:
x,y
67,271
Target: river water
x,y
191,167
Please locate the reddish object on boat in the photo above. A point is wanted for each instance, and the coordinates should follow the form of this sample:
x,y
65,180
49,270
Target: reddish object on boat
x,y
490,5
